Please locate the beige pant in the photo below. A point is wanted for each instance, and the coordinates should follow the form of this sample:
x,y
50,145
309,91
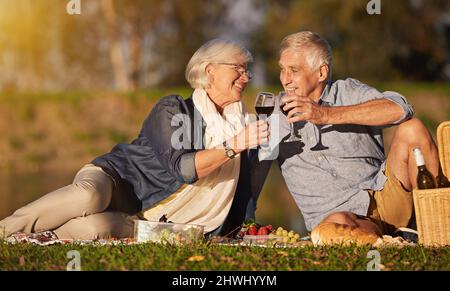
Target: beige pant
x,y
76,211
392,207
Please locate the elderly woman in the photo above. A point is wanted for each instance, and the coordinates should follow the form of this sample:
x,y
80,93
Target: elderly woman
x,y
191,162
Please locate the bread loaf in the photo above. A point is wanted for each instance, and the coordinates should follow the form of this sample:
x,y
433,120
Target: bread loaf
x,y
334,233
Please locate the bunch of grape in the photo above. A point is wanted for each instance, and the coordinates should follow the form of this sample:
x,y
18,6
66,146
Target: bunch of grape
x,y
287,236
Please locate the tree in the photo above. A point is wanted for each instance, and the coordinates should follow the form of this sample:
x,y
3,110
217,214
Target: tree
x,y
116,55
187,26
401,43
24,48
128,27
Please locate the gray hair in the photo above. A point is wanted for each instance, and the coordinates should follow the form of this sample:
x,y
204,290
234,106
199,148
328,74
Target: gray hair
x,y
318,49
214,51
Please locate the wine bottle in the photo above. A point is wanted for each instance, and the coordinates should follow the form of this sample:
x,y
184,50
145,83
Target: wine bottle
x,y
441,180
425,179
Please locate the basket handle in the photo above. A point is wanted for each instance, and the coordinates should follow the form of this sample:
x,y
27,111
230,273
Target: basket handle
x,y
443,137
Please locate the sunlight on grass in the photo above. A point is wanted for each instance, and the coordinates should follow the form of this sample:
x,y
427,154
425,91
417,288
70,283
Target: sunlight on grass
x,y
151,256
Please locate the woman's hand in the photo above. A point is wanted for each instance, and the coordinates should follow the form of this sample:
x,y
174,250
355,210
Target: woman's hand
x,y
251,136
254,134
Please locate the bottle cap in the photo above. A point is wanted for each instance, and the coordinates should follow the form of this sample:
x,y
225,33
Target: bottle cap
x,y
419,157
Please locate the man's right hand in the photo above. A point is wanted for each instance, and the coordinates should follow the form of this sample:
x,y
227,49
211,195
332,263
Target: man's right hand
x,y
303,109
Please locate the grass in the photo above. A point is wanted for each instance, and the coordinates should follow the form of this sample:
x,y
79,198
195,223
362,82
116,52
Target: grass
x,y
204,256
75,97
411,88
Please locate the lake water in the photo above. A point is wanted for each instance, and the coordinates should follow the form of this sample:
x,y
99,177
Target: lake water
x,y
18,189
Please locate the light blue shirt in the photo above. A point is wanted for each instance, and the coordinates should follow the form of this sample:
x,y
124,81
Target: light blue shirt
x,y
336,178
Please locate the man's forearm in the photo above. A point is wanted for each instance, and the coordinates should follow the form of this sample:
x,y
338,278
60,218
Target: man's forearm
x,y
377,112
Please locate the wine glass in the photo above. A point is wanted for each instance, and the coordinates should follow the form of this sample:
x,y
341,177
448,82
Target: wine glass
x,y
264,104
293,136
319,146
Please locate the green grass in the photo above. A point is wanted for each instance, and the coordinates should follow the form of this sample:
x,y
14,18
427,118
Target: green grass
x,y
75,97
151,256
411,88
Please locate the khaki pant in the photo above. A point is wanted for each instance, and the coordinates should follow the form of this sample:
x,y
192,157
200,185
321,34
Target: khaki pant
x,y
392,207
91,207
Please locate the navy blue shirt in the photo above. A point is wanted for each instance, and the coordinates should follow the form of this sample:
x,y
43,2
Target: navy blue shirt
x,y
151,168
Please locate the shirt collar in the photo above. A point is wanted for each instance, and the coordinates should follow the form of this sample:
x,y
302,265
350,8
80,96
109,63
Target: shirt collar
x,y
326,96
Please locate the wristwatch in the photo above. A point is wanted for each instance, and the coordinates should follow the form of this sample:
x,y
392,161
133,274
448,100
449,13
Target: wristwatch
x,y
229,152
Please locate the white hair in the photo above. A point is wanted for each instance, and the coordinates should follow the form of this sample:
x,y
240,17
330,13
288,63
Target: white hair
x,y
318,49
214,51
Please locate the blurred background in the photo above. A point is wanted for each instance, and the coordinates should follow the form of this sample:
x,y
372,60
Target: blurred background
x,y
72,86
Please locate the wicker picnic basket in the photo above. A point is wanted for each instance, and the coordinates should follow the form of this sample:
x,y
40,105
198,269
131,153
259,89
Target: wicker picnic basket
x,y
432,206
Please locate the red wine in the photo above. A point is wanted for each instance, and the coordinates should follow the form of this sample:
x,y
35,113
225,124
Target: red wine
x,y
266,110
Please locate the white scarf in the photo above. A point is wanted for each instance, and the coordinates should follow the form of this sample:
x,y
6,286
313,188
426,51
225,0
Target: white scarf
x,y
208,201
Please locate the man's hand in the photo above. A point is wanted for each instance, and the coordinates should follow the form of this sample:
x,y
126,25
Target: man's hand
x,y
304,109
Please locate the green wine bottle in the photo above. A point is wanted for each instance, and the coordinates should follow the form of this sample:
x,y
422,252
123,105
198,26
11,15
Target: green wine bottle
x,y
441,180
425,179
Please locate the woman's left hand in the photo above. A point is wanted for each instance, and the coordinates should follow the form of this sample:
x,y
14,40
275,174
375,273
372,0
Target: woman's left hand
x,y
253,135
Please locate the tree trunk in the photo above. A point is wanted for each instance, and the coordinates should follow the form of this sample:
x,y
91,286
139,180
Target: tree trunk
x,y
134,45
117,59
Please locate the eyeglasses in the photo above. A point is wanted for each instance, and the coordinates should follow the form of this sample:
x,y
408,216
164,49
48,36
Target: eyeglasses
x,y
239,68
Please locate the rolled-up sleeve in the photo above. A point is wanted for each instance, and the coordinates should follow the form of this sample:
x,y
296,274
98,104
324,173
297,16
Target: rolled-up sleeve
x,y
355,92
187,168
400,100
168,129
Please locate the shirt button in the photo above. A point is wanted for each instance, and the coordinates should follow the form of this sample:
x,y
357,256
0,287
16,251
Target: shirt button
x,y
320,158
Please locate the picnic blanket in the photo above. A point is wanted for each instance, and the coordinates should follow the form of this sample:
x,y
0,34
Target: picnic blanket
x,y
49,238
46,238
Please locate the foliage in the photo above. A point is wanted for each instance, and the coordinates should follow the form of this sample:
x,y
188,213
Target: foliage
x,y
49,49
138,44
407,41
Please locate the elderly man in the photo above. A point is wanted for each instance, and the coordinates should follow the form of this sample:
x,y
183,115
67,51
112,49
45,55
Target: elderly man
x,y
336,170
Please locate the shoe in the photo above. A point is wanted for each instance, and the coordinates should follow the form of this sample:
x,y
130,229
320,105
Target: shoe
x,y
44,238
41,238
408,234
